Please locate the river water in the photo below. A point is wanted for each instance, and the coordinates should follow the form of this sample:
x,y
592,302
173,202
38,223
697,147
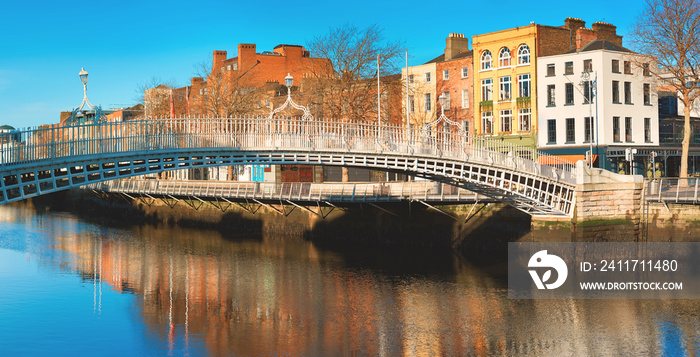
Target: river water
x,y
69,287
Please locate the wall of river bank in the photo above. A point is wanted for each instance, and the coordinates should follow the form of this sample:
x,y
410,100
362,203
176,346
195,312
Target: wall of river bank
x,y
479,231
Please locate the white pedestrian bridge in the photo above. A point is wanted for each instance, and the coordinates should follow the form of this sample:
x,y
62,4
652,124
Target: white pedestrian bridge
x,y
51,158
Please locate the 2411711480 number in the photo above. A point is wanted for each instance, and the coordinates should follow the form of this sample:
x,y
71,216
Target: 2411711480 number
x,y
641,265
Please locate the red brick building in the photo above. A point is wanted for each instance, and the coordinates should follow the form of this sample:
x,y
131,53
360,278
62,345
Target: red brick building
x,y
239,85
455,81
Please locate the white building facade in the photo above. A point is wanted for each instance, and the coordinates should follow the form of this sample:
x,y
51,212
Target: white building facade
x,y
622,112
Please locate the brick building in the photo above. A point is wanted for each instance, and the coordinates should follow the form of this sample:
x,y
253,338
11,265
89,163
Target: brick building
x,y
505,76
235,86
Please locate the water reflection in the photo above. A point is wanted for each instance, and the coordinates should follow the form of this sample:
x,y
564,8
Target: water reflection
x,y
270,296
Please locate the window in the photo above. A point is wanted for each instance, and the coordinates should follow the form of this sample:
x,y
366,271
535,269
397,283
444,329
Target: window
x,y
588,65
235,66
447,99
486,89
506,120
267,102
524,85
645,70
570,130
228,68
616,66
446,75
647,94
550,69
428,104
587,92
616,129
504,88
411,104
410,79
524,54
569,99
504,57
628,68
569,68
647,130
465,98
551,131
524,119
628,129
486,60
550,96
616,91
588,129
427,77
465,72
487,122
628,93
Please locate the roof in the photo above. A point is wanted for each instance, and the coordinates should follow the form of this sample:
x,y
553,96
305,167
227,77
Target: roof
x,y
441,58
601,45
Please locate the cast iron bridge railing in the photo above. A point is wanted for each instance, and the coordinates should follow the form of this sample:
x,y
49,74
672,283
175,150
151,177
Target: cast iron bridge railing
x,y
51,158
277,196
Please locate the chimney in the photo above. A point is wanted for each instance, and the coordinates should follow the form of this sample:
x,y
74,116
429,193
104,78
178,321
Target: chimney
x,y
219,58
454,44
246,54
574,24
607,32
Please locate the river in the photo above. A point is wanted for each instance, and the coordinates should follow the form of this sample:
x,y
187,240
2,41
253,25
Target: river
x,y
70,287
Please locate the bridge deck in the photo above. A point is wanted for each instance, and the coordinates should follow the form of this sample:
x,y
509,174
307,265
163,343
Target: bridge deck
x,y
356,192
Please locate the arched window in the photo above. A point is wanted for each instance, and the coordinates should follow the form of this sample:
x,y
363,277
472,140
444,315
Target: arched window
x,y
504,57
486,60
523,54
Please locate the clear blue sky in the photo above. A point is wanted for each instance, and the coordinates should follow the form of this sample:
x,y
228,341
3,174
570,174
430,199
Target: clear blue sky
x,y
124,43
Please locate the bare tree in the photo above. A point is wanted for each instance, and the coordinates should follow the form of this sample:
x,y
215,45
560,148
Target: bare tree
x,y
670,31
228,93
154,94
342,86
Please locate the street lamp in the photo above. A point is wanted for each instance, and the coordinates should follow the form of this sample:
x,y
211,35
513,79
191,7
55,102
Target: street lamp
x,y
77,115
288,82
84,79
588,88
443,101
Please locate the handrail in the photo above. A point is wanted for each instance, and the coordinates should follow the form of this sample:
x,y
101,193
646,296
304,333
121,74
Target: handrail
x,y
309,192
69,142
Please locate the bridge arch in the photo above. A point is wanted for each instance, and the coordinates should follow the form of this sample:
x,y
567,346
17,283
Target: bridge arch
x,y
53,159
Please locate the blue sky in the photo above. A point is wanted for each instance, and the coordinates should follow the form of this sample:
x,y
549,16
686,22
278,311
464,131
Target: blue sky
x,y
125,43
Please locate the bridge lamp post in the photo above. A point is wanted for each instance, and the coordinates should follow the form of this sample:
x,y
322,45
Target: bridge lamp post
x,y
590,93
289,82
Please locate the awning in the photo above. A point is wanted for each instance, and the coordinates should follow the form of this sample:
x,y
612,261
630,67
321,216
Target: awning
x,y
557,159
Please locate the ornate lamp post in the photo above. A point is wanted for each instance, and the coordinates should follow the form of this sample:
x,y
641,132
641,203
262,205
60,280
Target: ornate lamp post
x,y
78,113
443,99
589,89
289,82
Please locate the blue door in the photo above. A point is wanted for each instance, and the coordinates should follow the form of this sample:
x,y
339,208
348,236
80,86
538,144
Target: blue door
x,y
259,172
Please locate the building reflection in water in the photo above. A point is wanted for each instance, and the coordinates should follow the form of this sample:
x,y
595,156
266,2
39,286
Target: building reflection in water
x,y
272,296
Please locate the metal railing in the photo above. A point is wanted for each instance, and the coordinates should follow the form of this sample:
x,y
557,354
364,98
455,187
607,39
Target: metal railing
x,y
672,190
70,142
295,191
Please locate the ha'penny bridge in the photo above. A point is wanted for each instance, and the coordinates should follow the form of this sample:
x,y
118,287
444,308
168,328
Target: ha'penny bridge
x,y
47,159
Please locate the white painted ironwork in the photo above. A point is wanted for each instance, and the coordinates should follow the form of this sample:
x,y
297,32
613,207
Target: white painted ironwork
x,y
46,159
289,102
334,192
672,190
